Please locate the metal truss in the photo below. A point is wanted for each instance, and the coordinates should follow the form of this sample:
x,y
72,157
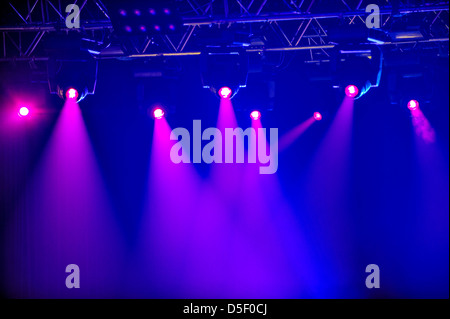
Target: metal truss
x,y
278,25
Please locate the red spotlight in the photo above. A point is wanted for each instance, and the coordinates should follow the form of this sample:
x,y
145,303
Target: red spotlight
x,y
413,105
318,116
352,91
158,113
225,92
24,111
255,115
72,94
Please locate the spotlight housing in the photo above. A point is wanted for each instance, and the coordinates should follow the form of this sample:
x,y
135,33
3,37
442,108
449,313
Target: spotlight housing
x,y
225,92
255,115
352,91
413,105
158,113
318,116
72,94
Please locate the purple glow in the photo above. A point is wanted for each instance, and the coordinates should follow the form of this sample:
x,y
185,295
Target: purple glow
x,y
143,28
69,220
352,91
318,116
72,94
157,28
123,13
152,12
225,92
172,27
167,11
137,13
329,182
128,28
287,140
255,115
413,105
422,126
24,111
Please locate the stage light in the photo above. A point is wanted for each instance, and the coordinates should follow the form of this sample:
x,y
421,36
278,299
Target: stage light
x,y
413,105
158,113
255,115
157,17
352,91
318,116
72,94
24,111
225,92
143,28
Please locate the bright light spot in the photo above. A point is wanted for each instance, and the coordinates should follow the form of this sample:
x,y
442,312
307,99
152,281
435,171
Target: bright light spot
x,y
128,28
351,91
413,105
158,113
137,12
123,13
318,116
72,94
167,11
143,28
24,111
157,28
225,92
255,115
152,12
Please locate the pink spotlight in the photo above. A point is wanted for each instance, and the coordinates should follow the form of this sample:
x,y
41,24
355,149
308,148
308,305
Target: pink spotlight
x,y
158,113
255,115
225,92
413,105
24,111
352,91
318,116
72,94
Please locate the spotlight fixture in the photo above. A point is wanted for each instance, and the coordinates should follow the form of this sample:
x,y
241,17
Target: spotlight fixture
x,y
144,18
352,91
225,92
413,105
255,115
224,68
358,65
72,94
158,113
318,116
